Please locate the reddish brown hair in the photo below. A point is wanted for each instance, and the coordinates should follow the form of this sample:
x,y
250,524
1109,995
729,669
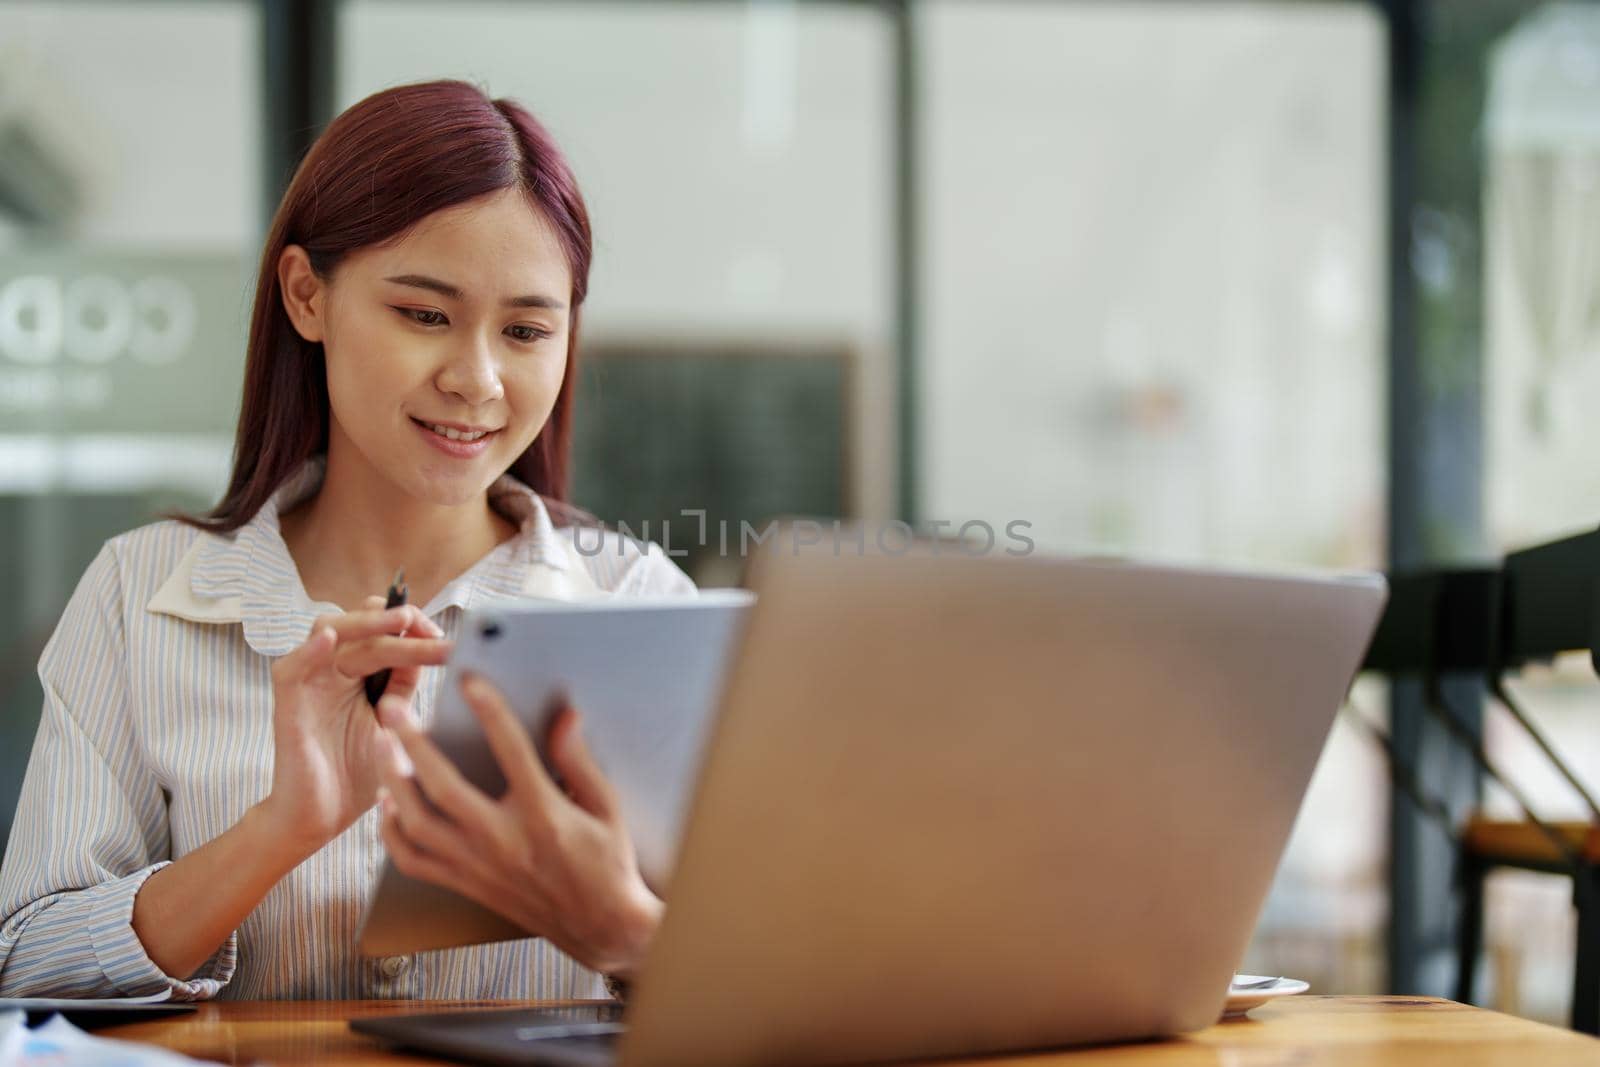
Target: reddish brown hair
x,y
379,169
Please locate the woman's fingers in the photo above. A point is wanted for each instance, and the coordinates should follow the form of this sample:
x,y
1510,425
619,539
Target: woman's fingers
x,y
359,643
412,858
588,785
304,662
372,654
436,775
422,826
418,626
403,683
513,749
407,855
354,625
394,765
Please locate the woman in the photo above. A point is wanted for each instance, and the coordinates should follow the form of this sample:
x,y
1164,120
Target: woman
x,y
198,814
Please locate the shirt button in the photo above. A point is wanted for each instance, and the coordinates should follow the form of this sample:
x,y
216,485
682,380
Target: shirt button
x,y
393,965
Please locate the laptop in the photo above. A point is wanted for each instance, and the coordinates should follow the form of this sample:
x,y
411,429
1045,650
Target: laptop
x,y
959,805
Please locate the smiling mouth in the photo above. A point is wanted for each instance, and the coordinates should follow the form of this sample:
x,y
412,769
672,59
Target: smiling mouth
x,y
451,432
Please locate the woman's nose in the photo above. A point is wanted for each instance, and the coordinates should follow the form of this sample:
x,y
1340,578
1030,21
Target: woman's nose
x,y
471,373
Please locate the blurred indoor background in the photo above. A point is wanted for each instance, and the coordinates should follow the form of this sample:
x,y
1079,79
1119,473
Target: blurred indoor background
x,y
1273,283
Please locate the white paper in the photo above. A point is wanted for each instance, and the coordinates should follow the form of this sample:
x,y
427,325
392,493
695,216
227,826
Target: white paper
x,y
13,1028
57,1043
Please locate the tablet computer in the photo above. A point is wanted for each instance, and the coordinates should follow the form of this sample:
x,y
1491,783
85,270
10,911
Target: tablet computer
x,y
646,674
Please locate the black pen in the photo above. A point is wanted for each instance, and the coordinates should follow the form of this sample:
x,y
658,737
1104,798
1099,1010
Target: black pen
x,y
376,683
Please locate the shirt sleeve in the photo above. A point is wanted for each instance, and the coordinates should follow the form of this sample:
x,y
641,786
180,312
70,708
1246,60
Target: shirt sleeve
x,y
91,824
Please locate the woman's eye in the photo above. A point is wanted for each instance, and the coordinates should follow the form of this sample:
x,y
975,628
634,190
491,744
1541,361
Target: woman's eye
x,y
424,316
520,332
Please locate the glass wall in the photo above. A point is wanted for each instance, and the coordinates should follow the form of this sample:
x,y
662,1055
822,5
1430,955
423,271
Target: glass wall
x,y
129,200
736,160
1154,325
1535,226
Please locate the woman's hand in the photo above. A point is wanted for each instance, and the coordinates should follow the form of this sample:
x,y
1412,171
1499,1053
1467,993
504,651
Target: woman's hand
x,y
327,740
558,864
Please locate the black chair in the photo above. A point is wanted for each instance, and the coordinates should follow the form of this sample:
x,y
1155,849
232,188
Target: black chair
x,y
1543,602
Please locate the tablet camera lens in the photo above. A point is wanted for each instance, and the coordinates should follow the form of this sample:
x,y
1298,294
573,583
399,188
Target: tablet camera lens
x,y
490,630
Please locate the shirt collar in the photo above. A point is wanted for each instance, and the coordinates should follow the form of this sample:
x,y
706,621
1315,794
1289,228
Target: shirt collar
x,y
249,577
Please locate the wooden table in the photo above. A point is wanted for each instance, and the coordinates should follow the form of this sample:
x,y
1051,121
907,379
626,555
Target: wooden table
x,y
1297,1031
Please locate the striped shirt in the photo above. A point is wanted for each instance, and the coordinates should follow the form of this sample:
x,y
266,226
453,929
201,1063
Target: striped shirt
x,y
156,736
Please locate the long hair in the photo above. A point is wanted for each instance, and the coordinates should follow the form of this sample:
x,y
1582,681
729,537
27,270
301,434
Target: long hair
x,y
380,168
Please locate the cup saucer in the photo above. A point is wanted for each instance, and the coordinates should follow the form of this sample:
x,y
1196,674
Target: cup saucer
x,y
1241,1000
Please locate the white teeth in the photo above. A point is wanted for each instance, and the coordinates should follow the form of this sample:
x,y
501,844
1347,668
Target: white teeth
x,y
455,435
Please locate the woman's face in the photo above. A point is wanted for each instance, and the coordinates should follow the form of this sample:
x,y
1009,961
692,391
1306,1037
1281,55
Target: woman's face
x,y
445,349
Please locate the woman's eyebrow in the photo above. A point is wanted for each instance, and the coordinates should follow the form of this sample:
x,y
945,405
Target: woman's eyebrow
x,y
434,285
